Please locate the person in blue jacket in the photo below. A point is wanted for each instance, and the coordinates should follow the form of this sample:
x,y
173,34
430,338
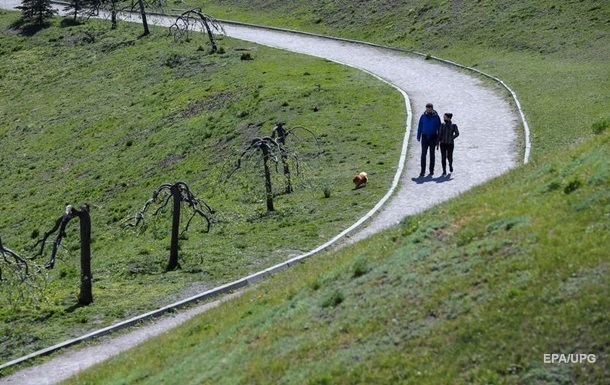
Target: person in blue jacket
x,y
427,135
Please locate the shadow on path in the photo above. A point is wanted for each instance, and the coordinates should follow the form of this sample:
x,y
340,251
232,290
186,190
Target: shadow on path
x,y
430,178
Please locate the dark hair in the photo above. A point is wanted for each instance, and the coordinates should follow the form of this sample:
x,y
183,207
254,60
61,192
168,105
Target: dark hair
x,y
449,114
429,105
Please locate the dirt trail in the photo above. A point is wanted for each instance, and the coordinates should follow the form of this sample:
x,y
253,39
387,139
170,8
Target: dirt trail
x,y
487,147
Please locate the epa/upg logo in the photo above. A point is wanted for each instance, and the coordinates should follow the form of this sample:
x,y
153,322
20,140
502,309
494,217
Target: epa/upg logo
x,y
569,358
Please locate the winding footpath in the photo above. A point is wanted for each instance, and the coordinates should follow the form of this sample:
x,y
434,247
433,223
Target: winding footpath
x,y
487,147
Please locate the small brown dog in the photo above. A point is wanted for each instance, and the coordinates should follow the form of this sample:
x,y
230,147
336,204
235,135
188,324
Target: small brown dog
x,y
360,180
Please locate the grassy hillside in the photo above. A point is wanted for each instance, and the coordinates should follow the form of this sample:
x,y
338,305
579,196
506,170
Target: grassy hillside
x,y
90,115
473,292
553,54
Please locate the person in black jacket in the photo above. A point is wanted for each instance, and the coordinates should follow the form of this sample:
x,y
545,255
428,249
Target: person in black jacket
x,y
447,133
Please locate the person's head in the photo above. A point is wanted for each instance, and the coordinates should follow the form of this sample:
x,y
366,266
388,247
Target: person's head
x,y
429,108
447,116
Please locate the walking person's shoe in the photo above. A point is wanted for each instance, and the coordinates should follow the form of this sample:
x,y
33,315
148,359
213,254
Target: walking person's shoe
x,y
451,168
421,175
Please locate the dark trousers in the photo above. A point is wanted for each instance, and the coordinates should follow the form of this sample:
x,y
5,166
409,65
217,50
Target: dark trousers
x,y
446,155
427,143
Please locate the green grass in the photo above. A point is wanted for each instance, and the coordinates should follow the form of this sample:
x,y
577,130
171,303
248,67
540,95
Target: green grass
x,y
554,55
99,116
474,291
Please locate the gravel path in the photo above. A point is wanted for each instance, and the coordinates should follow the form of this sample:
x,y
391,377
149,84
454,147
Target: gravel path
x,y
487,147
487,144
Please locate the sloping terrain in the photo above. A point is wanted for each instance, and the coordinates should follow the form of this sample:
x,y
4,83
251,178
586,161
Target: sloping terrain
x,y
477,290
91,115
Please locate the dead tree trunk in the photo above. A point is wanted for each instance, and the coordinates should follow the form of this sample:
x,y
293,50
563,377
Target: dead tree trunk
x,y
279,134
268,186
86,293
113,14
143,15
284,157
173,250
86,296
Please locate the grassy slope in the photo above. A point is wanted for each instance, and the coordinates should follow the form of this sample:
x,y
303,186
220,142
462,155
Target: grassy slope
x,y
475,291
99,116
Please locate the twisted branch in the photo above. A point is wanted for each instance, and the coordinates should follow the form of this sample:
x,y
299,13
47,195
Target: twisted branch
x,y
6,253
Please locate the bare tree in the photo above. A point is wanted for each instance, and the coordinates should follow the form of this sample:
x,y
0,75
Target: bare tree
x,y
180,192
111,6
268,148
21,281
193,19
85,297
280,133
141,7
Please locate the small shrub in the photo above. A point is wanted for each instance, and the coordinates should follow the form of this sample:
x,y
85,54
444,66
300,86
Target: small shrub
x,y
321,381
572,186
315,285
601,126
409,226
327,192
174,60
554,185
246,56
360,268
334,300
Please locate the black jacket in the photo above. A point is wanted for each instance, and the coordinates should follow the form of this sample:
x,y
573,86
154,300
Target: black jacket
x,y
448,132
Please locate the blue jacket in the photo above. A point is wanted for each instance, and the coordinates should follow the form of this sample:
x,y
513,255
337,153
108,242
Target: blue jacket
x,y
428,125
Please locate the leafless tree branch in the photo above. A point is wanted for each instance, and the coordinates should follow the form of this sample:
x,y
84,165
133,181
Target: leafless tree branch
x,y
190,21
6,253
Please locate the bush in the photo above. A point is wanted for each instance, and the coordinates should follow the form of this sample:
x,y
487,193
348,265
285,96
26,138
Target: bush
x,y
572,186
360,268
601,126
334,300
